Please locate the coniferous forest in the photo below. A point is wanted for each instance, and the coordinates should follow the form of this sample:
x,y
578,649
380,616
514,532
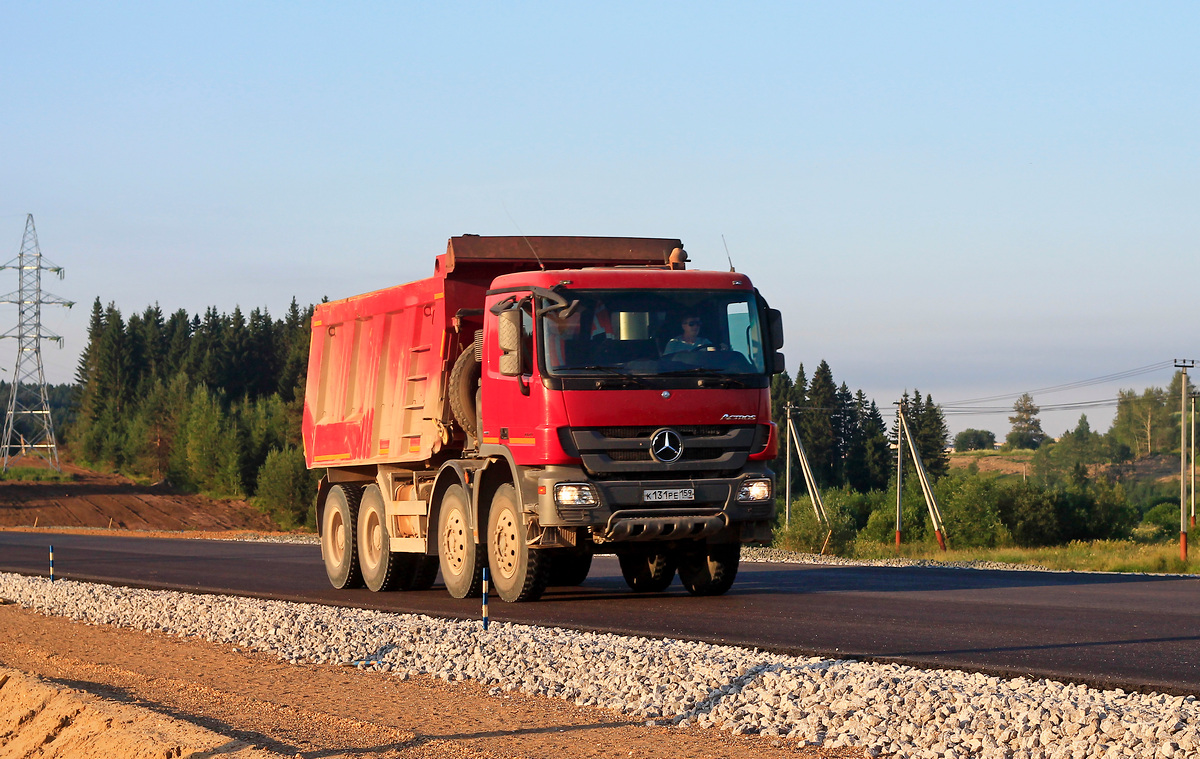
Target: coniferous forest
x,y
212,403
206,403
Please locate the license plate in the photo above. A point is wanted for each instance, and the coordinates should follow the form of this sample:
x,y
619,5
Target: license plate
x,y
679,494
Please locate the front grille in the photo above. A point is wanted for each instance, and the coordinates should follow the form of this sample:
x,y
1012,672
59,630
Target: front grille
x,y
629,455
626,449
625,433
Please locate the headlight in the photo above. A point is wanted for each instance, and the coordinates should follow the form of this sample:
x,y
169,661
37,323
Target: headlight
x,y
755,490
575,494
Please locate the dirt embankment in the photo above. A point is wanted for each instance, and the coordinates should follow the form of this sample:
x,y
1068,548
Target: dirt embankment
x,y
44,719
92,499
1159,467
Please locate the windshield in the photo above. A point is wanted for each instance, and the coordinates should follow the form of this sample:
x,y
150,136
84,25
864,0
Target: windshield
x,y
655,332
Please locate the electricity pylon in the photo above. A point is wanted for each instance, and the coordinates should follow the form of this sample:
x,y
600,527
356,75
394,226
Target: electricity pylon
x,y
34,434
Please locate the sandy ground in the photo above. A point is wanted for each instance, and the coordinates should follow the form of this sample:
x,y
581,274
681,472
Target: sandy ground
x,y
253,700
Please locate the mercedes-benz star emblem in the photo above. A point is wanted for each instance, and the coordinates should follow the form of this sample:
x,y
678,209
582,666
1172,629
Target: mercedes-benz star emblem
x,y
666,445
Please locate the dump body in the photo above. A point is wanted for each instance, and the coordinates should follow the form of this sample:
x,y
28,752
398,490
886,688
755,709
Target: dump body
x,y
537,401
379,363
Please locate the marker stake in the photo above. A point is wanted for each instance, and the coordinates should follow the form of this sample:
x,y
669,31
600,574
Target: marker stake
x,y
485,591
51,563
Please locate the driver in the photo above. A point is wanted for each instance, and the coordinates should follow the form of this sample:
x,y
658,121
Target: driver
x,y
690,340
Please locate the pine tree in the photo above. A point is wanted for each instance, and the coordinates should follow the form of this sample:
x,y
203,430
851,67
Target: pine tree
x,y
933,439
816,426
879,458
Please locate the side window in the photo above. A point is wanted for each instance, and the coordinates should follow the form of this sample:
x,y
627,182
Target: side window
x,y
527,336
738,317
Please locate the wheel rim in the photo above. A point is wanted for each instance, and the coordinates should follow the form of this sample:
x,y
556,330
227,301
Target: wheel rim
x,y
337,537
373,548
454,542
506,541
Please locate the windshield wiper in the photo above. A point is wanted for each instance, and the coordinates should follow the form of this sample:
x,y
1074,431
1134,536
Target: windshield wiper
x,y
611,370
713,375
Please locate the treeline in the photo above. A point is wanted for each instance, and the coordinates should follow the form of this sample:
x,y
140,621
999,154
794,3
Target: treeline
x,y
851,450
847,442
207,403
1146,423
60,398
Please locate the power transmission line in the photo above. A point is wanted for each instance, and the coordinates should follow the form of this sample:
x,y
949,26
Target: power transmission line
x,y
1106,379
28,428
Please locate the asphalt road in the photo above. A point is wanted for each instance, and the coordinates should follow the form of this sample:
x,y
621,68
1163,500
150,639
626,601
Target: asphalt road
x,y
1134,632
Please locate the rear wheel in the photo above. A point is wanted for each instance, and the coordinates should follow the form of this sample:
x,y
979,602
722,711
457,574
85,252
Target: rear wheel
x,y
419,572
647,571
460,559
339,548
710,571
569,568
381,569
518,571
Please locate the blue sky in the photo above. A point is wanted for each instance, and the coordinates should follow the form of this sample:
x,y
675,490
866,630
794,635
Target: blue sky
x,y
968,198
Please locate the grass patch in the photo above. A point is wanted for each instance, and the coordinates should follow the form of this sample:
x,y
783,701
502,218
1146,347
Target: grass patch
x,y
1095,556
35,474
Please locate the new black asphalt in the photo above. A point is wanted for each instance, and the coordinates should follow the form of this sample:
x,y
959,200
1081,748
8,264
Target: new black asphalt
x,y
1132,631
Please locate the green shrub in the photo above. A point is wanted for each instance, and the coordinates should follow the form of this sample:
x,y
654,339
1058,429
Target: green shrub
x,y
807,534
286,488
970,511
881,524
1164,516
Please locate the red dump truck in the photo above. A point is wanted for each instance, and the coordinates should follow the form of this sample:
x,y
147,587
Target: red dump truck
x,y
535,402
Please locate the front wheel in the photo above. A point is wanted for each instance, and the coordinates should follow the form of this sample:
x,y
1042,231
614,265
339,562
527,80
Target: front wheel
x,y
710,570
518,572
460,559
339,548
569,568
647,571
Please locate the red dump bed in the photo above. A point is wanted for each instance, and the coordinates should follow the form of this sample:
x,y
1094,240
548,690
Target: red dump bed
x,y
379,362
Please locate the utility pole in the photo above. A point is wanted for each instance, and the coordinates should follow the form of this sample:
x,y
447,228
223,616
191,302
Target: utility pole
x,y
28,401
1193,467
899,474
1183,365
935,514
787,506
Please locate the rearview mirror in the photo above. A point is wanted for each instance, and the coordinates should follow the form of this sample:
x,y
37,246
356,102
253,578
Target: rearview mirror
x,y
775,326
509,338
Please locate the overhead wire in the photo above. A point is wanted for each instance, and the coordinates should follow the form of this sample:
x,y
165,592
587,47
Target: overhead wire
x,y
1106,379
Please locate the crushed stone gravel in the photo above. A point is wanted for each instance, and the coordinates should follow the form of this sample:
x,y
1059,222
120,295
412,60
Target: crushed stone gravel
x,y
885,709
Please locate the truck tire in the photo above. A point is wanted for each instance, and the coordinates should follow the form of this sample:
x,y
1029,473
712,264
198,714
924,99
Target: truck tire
x,y
459,558
710,571
381,569
518,572
464,380
339,548
419,573
569,568
647,571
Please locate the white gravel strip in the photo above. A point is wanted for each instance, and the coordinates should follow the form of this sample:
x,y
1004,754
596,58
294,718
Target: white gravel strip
x,y
886,709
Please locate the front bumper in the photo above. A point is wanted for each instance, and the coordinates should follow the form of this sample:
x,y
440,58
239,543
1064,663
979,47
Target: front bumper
x,y
623,514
